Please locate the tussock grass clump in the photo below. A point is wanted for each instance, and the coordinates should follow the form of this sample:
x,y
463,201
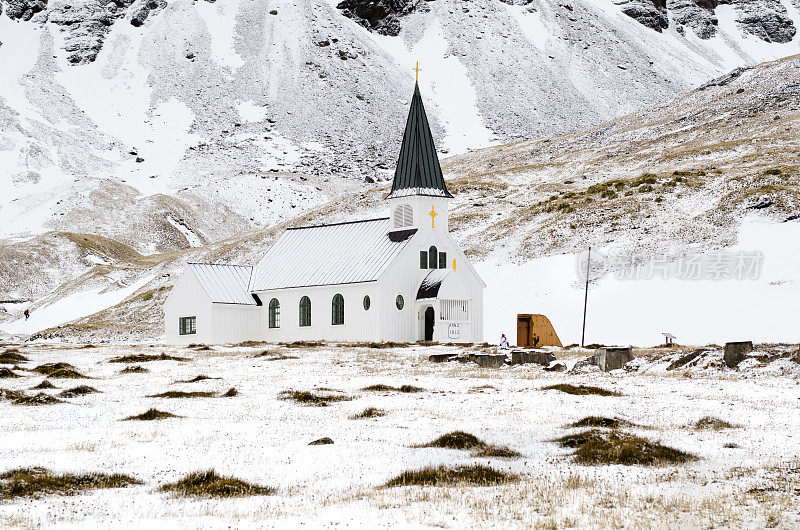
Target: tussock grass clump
x,y
134,370
601,447
151,415
304,344
35,400
196,379
34,482
274,355
146,357
456,440
249,343
44,385
374,345
474,475
232,392
716,424
11,356
174,394
407,389
60,371
600,421
209,484
463,440
370,412
81,390
581,390
318,398
5,373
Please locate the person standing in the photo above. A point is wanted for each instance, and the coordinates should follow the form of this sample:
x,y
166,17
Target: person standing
x,y
27,314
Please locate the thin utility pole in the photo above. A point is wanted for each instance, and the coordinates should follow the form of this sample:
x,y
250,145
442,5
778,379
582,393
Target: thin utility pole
x,y
586,295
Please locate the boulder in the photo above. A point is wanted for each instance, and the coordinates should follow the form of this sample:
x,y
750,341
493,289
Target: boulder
x,y
537,357
613,358
649,13
796,357
489,360
583,363
322,441
735,352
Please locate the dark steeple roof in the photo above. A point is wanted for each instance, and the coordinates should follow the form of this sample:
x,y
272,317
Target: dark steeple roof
x,y
418,171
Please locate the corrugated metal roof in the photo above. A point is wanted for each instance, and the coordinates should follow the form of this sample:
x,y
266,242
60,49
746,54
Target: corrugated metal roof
x,y
353,252
225,284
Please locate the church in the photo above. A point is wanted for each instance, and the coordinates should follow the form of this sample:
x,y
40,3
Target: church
x,y
398,278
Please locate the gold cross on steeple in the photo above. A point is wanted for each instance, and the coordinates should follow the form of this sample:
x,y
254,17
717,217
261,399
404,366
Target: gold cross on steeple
x,y
416,70
433,215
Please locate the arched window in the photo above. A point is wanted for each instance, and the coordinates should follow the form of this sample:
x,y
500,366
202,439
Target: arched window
x,y
274,313
305,311
433,258
403,216
337,310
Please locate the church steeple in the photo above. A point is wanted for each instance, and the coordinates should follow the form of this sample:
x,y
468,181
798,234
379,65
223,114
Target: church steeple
x,y
418,171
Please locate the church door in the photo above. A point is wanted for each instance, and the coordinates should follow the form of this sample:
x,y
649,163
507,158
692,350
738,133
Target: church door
x,y
429,321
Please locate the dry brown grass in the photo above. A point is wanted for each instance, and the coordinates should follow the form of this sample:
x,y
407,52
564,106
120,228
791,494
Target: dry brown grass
x,y
60,371
370,412
210,484
77,391
581,390
474,475
34,482
151,415
462,440
601,447
406,389
716,424
317,398
134,370
177,394
145,357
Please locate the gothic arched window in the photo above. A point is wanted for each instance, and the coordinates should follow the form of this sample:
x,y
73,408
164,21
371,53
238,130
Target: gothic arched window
x,y
433,258
274,313
305,311
337,310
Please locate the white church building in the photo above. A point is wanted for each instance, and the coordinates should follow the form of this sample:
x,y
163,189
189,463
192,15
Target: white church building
x,y
398,278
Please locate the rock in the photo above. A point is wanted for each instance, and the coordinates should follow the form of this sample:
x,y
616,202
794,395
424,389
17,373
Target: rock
x,y
24,9
442,357
538,357
685,359
760,203
584,363
557,367
380,16
489,360
796,357
612,358
735,352
766,19
650,13
725,79
695,14
322,441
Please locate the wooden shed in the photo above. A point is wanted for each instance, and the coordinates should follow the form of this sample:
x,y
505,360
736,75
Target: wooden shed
x,y
534,331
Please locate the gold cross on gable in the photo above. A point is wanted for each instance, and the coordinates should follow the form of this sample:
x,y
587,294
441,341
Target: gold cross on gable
x,y
433,215
416,70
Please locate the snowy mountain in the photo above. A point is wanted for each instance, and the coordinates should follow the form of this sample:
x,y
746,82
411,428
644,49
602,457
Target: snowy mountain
x,y
135,135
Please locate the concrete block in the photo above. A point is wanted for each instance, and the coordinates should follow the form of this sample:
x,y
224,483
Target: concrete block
x,y
613,358
735,352
537,357
442,357
489,360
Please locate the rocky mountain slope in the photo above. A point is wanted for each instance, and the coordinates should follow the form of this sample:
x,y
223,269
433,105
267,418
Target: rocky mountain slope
x,y
672,179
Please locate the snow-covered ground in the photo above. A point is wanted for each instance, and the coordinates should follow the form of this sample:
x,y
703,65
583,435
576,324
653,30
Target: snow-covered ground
x,y
745,292
744,477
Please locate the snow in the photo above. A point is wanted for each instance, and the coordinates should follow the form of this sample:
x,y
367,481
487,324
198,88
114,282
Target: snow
x,y
250,112
72,307
530,22
443,79
636,312
262,439
220,19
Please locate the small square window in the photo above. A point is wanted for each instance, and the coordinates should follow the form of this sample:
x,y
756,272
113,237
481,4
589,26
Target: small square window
x,y
187,325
